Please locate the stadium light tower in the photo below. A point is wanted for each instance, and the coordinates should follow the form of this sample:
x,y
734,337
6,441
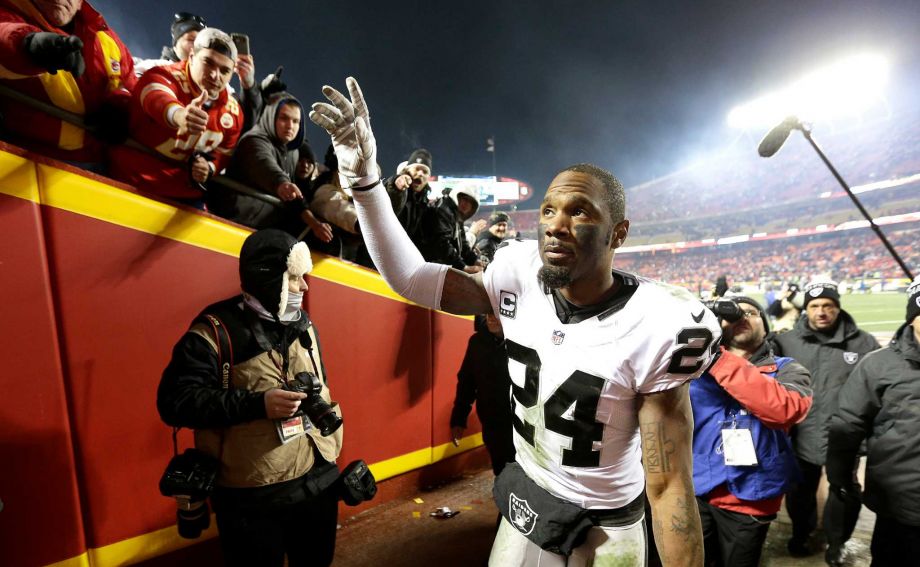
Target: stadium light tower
x,y
821,94
844,88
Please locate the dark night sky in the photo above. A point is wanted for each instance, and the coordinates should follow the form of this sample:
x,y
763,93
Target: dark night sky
x,y
636,87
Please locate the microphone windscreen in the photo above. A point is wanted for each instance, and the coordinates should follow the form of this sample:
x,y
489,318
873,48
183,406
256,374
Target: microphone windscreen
x,y
776,137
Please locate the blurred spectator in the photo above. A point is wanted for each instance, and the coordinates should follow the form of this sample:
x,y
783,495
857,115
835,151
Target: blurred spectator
x,y
755,397
184,30
721,287
786,310
266,159
489,240
184,113
473,231
879,402
63,54
332,204
408,191
829,344
483,378
444,239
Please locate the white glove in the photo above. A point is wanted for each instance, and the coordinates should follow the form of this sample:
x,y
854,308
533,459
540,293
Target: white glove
x,y
348,123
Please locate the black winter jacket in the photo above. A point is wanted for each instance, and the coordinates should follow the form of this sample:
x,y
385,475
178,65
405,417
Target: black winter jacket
x,y
190,392
487,243
444,240
829,359
881,402
410,207
483,378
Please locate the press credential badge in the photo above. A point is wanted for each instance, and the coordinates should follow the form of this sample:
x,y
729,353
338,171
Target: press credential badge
x,y
738,447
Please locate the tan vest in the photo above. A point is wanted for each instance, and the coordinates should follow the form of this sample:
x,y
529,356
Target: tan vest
x,y
250,453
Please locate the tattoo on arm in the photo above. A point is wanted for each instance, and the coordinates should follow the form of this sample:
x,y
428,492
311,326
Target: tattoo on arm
x,y
464,294
682,521
657,448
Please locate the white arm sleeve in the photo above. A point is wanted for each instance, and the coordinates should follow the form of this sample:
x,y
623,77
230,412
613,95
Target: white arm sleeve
x,y
396,257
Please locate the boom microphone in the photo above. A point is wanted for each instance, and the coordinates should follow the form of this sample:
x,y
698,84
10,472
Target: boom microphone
x,y
776,137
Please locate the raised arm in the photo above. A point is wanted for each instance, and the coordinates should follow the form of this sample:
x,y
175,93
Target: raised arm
x,y
666,426
398,260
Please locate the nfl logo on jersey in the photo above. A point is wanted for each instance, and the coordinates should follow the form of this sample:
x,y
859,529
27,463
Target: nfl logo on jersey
x,y
522,515
558,337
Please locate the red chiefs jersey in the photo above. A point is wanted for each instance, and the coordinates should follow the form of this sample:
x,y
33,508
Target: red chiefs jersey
x,y
157,90
109,78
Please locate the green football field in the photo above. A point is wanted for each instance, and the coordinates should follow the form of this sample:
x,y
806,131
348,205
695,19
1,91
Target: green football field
x,y
878,313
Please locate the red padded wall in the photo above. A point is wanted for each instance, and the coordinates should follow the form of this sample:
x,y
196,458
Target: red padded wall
x,y
125,297
38,482
451,335
378,356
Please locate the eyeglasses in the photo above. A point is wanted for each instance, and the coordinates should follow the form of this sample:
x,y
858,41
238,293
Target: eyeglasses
x,y
185,16
750,314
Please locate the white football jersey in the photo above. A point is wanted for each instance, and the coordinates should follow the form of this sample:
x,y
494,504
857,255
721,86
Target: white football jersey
x,y
574,386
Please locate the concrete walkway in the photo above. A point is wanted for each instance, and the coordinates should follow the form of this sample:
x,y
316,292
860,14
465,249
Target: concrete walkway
x,y
401,533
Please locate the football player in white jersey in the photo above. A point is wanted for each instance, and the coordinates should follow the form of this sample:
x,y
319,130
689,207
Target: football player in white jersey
x,y
599,362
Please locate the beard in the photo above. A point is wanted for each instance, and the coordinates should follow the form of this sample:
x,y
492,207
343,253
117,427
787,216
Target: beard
x,y
555,277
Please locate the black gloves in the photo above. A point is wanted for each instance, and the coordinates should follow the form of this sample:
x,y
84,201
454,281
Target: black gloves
x,y
56,52
272,83
109,123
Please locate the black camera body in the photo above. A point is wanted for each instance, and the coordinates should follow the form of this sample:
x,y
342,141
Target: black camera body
x,y
793,289
725,309
320,413
190,478
356,483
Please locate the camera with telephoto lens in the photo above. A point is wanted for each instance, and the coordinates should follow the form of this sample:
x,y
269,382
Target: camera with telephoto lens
x,y
320,413
725,309
189,478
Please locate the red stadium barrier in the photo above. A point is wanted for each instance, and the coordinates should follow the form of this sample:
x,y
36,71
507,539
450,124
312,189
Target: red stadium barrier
x,y
100,283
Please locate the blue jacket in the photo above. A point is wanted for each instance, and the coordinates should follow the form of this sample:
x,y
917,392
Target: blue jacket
x,y
766,399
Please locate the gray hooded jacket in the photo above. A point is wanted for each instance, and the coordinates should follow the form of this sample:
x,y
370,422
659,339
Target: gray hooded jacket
x,y
881,402
263,162
829,359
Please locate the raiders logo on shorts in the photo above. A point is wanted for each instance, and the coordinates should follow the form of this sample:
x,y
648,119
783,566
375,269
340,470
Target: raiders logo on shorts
x,y
522,515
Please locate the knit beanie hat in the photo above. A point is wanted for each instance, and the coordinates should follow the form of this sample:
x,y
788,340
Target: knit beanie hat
x,y
184,22
267,260
753,303
822,288
498,217
913,300
420,156
306,152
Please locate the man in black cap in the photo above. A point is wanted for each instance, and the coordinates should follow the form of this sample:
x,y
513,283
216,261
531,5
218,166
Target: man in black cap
x,y
488,241
879,401
408,191
273,491
829,344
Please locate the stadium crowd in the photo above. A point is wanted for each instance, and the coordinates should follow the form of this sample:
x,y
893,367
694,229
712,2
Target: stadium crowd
x,y
851,256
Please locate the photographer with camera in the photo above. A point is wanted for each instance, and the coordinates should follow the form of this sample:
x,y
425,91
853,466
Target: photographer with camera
x,y
248,376
743,408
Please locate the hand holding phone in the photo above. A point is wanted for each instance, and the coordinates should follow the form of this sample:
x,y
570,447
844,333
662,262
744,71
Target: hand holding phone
x,y
241,41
